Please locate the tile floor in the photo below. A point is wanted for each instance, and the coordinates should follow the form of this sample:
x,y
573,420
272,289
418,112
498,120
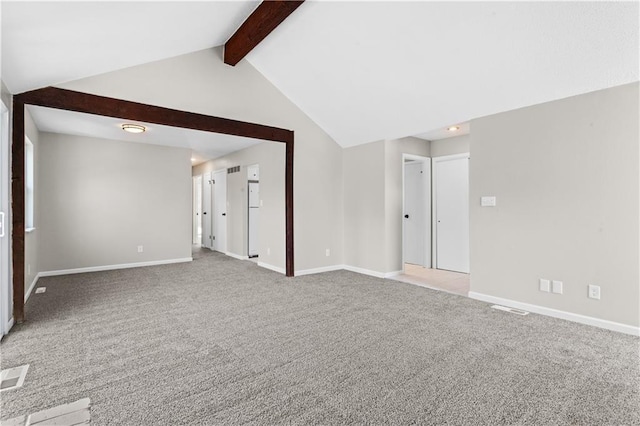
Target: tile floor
x,y
439,279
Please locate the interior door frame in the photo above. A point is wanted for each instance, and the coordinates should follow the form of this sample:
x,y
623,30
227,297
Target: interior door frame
x,y
196,204
434,197
69,100
214,226
428,235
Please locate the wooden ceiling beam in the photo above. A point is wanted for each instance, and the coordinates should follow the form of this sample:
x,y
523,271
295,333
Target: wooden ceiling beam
x,y
267,16
53,97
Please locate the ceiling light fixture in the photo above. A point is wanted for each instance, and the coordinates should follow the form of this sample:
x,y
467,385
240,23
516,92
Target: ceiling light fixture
x,y
133,128
453,128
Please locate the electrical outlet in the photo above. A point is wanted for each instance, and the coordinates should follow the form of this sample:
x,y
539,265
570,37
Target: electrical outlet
x,y
594,292
556,287
140,249
268,251
327,252
545,285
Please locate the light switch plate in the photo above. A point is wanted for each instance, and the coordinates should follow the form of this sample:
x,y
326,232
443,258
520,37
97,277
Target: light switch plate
x,y
545,285
556,287
488,201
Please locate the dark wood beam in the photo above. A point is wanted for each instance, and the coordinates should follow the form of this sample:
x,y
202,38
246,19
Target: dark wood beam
x,y
17,208
267,16
289,208
69,100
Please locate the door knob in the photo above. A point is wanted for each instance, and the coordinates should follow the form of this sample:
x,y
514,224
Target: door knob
x,y
204,212
406,216
224,214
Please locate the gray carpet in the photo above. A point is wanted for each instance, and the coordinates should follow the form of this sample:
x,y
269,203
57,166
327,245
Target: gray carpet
x,y
222,341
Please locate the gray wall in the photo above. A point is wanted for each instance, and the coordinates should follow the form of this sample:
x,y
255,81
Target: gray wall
x,y
450,146
201,82
565,174
364,206
99,199
270,157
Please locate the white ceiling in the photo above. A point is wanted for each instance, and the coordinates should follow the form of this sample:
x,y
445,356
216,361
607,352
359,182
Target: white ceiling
x,y
203,145
366,71
363,71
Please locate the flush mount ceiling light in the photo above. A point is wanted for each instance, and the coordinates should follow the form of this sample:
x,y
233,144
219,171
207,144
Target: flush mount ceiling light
x,y
133,128
453,128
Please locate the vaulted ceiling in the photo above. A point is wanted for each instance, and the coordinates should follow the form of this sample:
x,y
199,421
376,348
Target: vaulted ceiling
x,y
363,71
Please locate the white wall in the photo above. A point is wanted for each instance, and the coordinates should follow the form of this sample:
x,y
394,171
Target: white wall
x,y
270,157
32,238
201,82
450,146
565,174
5,205
99,199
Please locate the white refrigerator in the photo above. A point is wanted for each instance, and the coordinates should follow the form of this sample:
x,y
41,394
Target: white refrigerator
x,y
254,215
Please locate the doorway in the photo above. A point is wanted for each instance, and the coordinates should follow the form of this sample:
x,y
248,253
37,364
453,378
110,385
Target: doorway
x,y
219,209
6,315
416,229
253,176
197,210
214,211
451,212
435,231
207,191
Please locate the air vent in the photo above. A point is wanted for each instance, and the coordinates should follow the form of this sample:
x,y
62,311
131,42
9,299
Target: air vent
x,y
41,290
76,413
235,169
12,378
511,310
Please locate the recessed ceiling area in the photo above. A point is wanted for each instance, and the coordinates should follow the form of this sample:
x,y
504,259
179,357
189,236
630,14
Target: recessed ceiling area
x,y
445,133
203,145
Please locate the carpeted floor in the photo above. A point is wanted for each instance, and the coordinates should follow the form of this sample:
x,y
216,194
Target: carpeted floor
x,y
222,341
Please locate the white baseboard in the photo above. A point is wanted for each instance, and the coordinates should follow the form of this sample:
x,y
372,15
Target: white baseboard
x,y
364,271
9,327
236,256
112,267
319,270
393,274
370,272
271,267
582,319
31,287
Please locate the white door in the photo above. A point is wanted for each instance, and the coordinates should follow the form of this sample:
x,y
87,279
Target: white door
x,y
197,209
6,292
416,238
207,214
254,217
451,176
220,211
